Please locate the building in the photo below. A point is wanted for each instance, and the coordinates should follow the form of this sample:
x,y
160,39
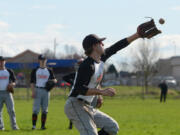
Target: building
x,y
24,62
169,67
27,56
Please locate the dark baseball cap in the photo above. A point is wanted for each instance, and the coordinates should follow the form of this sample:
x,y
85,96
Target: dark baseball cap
x,y
41,57
2,58
90,40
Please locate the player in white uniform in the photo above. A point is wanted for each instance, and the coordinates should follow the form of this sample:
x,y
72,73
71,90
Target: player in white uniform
x,y
85,118
7,77
39,78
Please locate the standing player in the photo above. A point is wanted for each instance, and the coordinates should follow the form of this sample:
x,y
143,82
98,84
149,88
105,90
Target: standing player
x,y
7,80
85,118
164,90
39,78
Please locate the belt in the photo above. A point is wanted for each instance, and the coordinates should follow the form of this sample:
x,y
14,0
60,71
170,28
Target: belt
x,y
40,87
84,101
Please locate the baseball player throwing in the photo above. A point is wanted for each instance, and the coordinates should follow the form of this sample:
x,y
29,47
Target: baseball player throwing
x,y
7,81
77,108
39,79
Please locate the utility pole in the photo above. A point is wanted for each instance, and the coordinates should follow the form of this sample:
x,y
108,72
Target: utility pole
x,y
1,52
174,48
55,45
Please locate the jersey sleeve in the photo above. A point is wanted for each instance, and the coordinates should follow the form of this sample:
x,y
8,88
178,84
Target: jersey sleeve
x,y
33,76
82,79
69,78
114,49
12,76
51,74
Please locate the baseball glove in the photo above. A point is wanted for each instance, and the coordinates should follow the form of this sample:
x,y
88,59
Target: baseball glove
x,y
49,85
148,29
10,88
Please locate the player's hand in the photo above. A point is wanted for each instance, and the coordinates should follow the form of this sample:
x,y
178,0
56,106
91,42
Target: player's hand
x,y
108,92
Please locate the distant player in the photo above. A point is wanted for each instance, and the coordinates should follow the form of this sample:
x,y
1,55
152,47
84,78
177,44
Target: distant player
x,y
164,89
85,118
7,79
39,78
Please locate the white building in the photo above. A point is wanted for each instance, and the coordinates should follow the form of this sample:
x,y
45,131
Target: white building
x,y
169,67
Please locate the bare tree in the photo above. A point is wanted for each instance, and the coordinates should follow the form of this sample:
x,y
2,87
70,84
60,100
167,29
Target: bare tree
x,y
124,66
144,62
69,52
73,56
69,49
48,53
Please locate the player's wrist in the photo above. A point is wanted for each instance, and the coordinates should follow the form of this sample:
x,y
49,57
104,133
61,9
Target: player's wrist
x,y
136,35
99,92
94,91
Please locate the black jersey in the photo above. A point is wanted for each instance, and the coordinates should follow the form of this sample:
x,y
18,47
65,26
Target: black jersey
x,y
90,73
69,78
163,86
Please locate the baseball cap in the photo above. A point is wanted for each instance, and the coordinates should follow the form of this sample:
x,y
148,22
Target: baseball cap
x,y
90,40
2,58
41,57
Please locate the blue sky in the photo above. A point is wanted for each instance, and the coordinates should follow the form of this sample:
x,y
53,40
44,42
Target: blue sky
x,y
33,24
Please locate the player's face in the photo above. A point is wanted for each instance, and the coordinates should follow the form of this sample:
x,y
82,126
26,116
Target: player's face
x,y
42,62
99,48
2,63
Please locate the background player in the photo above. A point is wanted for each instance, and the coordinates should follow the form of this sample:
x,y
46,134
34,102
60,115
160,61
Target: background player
x,y
39,78
7,79
164,90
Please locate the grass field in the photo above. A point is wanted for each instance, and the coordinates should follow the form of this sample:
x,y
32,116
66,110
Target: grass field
x,y
134,115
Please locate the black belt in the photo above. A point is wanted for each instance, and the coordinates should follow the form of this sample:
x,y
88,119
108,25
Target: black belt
x,y
40,87
84,101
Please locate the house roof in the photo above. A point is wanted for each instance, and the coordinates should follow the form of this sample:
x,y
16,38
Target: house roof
x,y
22,55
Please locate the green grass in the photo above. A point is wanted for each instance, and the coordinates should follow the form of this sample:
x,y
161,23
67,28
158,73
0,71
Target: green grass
x,y
135,117
122,92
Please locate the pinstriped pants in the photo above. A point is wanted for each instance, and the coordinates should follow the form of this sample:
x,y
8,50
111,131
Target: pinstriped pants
x,y
41,101
87,119
7,98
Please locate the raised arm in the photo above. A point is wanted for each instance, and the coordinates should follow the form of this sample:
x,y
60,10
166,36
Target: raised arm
x,y
118,46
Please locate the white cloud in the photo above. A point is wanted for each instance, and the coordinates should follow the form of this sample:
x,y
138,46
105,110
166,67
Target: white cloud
x,y
43,7
13,43
7,13
3,26
54,28
176,8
